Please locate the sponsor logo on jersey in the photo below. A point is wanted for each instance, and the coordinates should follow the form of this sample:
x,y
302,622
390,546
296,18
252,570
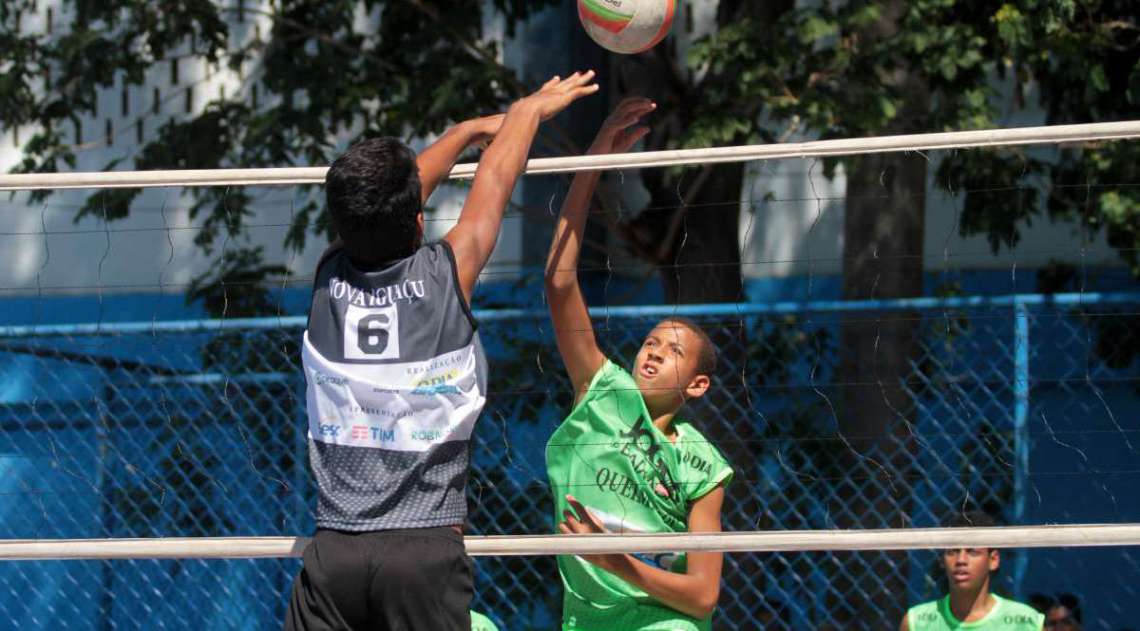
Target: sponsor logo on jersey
x,y
643,451
407,290
321,379
427,435
696,462
622,485
356,432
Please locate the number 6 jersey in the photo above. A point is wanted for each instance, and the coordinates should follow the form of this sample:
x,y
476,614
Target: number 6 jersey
x,y
396,378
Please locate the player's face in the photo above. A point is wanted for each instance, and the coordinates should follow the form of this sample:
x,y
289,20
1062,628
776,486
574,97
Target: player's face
x,y
666,365
968,568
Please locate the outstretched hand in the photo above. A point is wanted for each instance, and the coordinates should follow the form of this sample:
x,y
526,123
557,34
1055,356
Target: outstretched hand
x,y
621,129
557,94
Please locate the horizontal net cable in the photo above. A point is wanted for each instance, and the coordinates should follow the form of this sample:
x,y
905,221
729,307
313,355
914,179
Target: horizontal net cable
x,y
691,310
1067,536
1086,299
621,271
222,379
1049,134
936,264
883,476
519,210
915,433
985,254
528,212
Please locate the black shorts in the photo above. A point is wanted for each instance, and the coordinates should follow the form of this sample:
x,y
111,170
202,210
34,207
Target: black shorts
x,y
392,580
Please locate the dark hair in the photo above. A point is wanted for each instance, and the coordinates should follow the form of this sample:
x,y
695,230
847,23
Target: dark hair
x,y
1044,603
373,193
970,519
706,360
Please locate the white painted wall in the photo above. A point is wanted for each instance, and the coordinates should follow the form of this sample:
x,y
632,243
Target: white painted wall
x,y
797,225
794,226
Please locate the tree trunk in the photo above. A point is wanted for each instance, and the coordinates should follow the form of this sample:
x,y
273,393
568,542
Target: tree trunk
x,y
883,247
702,264
883,237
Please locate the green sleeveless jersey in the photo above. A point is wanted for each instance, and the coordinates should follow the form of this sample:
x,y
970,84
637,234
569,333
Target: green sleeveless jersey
x,y
479,622
1006,615
610,456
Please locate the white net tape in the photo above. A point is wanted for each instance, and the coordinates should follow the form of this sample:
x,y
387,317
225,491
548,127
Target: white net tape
x,y
1068,536
1091,132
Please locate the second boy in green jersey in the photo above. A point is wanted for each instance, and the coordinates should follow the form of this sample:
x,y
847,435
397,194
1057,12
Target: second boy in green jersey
x,y
969,604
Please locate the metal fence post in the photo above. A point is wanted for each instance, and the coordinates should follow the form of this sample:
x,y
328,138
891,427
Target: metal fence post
x,y
106,506
1020,427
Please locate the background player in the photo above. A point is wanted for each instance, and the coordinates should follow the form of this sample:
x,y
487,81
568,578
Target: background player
x,y
969,602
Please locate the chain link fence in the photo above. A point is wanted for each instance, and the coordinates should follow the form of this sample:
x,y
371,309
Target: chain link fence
x,y
835,415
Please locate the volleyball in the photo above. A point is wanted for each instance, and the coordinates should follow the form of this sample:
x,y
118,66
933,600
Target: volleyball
x,y
627,26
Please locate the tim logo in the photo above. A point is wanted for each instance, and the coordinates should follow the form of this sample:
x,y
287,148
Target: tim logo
x,y
371,333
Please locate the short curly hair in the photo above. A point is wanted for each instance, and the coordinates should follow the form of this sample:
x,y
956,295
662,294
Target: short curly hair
x,y
373,194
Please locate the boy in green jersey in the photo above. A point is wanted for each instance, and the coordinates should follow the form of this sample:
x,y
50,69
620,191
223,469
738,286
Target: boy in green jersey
x,y
970,604
623,461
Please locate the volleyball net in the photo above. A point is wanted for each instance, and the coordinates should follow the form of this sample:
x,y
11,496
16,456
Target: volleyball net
x,y
183,440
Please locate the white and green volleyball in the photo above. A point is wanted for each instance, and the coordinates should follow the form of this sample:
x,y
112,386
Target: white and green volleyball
x,y
627,26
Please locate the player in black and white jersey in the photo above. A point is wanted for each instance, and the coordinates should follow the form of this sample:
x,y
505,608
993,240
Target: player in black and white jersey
x,y
396,375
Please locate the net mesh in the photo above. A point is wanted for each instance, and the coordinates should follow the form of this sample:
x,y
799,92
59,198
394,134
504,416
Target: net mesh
x,y
1024,404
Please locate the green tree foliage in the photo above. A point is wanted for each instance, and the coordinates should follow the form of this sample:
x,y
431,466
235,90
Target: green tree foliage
x,y
321,72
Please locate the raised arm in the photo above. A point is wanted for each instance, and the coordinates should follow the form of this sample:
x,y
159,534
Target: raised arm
x,y
694,593
436,162
572,328
473,237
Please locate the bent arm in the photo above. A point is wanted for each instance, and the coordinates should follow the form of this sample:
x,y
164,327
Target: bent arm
x,y
694,593
435,162
473,237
